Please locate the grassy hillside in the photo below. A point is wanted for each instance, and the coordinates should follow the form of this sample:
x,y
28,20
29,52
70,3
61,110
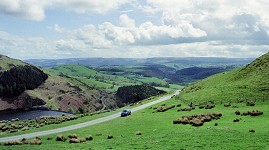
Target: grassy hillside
x,y
149,129
250,83
7,63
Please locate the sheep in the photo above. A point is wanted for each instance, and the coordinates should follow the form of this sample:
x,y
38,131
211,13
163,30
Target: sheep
x,y
82,140
237,112
72,136
74,141
138,133
109,137
89,138
236,120
60,138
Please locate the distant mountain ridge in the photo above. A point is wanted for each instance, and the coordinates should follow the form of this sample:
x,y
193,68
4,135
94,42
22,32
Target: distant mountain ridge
x,y
189,61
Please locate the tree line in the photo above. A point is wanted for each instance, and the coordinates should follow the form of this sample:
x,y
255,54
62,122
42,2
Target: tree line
x,y
18,79
135,93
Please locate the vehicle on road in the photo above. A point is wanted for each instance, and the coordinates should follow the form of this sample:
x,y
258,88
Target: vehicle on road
x,y
125,112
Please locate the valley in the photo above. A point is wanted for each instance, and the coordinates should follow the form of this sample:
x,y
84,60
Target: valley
x,y
221,108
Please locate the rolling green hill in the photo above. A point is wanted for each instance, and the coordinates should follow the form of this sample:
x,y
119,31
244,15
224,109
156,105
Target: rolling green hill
x,y
250,83
96,78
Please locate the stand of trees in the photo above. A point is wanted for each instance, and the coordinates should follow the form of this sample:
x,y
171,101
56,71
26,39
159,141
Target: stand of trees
x,y
135,93
18,79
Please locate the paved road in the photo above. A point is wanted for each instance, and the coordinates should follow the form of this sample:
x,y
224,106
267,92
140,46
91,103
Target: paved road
x,y
81,125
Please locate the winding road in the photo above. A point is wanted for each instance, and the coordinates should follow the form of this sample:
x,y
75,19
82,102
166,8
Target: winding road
x,y
85,124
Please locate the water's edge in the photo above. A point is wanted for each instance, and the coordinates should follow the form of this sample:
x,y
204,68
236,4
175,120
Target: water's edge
x,y
30,114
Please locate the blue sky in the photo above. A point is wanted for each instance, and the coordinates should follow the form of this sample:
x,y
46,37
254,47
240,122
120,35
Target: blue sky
x,y
133,28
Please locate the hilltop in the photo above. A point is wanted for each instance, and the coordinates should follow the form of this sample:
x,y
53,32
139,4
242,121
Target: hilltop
x,y
7,63
250,83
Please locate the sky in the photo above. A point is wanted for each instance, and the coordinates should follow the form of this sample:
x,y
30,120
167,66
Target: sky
x,y
53,29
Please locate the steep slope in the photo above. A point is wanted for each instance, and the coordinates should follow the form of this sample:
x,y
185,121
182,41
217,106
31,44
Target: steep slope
x,y
18,79
60,94
248,83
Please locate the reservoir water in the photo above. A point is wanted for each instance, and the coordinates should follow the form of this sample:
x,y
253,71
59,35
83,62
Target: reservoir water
x,y
29,114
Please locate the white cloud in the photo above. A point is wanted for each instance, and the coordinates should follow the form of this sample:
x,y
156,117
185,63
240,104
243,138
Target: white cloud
x,y
236,21
85,6
178,28
108,35
27,9
25,48
125,21
35,9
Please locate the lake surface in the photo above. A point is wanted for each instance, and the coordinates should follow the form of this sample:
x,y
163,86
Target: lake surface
x,y
30,114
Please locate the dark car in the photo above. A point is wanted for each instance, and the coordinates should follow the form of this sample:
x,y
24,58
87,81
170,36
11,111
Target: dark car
x,y
125,113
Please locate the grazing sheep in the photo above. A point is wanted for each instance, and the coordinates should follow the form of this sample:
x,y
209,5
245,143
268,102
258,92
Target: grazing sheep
x,y
237,112
251,130
255,113
178,105
236,120
209,106
201,107
10,143
49,138
82,140
89,138
250,104
35,142
245,113
109,137
72,136
138,133
25,128
74,141
198,119
163,109
227,105
197,122
60,138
